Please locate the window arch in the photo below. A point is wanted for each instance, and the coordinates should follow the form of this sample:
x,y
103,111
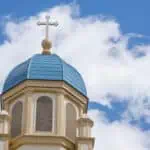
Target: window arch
x,y
71,121
16,123
44,114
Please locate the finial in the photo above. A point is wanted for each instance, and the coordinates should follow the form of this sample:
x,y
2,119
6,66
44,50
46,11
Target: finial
x,y
46,44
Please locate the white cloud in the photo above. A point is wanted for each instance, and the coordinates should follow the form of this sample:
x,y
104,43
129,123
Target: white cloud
x,y
117,135
95,46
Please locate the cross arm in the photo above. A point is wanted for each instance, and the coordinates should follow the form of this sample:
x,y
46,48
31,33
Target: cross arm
x,y
53,23
50,23
41,23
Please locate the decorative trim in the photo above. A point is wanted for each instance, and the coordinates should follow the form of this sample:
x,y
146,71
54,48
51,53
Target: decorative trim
x,y
85,140
60,83
45,81
34,139
85,121
4,116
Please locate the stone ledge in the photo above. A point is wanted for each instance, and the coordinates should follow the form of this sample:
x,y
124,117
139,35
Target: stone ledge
x,y
49,140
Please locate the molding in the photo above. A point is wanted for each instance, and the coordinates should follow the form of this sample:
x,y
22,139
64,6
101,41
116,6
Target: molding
x,y
4,116
48,140
85,140
81,122
46,83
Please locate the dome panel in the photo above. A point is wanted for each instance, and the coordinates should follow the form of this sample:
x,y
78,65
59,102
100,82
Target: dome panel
x,y
49,67
17,75
45,67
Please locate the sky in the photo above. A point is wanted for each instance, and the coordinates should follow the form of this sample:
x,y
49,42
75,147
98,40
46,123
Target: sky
x,y
108,42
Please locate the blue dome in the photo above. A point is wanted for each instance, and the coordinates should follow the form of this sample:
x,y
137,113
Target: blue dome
x,y
45,67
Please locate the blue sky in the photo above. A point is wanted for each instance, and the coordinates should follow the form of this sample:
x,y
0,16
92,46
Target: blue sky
x,y
132,17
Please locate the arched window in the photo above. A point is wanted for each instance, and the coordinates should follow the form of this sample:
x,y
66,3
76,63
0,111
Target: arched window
x,y
70,122
16,124
44,114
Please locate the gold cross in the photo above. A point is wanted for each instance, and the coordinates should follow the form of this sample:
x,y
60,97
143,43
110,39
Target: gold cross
x,y
47,23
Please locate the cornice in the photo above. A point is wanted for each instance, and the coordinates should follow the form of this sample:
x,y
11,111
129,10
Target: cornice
x,y
48,140
83,140
85,121
30,86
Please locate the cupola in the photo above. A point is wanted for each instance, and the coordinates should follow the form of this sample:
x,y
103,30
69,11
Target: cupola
x,y
45,98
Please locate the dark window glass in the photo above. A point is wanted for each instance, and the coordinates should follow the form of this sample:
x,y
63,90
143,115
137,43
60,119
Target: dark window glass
x,y
16,123
70,122
44,113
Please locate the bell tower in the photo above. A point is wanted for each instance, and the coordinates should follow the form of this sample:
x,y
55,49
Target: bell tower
x,y
47,102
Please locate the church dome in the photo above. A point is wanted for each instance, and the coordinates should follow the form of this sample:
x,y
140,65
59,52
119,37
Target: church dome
x,y
45,67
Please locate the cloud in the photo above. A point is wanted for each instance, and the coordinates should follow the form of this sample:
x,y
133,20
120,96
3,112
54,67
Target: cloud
x,y
117,135
96,46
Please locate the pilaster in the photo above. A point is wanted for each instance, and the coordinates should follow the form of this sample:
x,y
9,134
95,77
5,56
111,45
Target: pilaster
x,y
60,113
4,130
28,111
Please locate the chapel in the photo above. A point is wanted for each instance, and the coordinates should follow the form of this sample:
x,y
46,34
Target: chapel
x,y
44,105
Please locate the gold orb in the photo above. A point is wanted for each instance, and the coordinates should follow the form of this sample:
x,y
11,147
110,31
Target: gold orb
x,y
46,44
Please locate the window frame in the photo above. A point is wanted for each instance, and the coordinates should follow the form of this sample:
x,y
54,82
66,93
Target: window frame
x,y
77,116
53,99
22,118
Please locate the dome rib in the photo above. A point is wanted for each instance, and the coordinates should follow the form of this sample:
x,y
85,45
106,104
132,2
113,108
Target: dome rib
x,y
45,67
28,73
